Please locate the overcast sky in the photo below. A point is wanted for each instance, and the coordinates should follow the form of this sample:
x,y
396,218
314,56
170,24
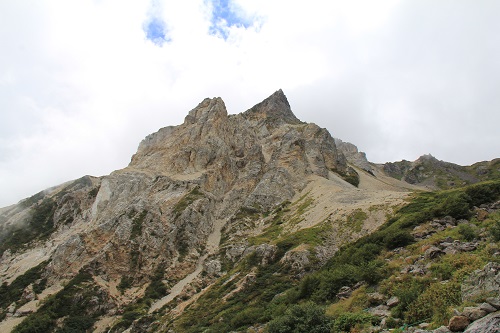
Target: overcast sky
x,y
82,82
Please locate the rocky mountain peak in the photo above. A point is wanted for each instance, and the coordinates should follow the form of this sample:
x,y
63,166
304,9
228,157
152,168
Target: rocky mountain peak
x,y
273,110
208,109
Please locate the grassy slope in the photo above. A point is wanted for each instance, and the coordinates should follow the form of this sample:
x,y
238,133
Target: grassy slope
x,y
274,291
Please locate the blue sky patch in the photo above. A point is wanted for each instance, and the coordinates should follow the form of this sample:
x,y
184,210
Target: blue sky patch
x,y
156,31
225,15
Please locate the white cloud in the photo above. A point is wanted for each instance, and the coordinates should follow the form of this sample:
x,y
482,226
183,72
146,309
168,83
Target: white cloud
x,y
81,85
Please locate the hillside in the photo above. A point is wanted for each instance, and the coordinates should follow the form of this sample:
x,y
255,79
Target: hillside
x,y
244,222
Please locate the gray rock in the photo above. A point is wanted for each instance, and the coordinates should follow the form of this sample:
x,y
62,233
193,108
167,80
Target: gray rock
x,y
442,329
494,301
344,292
433,252
487,307
482,282
380,311
393,301
488,324
473,313
376,298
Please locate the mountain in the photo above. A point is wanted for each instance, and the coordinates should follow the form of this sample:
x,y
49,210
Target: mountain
x,y
211,222
432,173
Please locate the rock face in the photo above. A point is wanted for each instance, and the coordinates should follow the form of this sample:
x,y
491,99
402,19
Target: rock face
x,y
482,283
354,156
488,324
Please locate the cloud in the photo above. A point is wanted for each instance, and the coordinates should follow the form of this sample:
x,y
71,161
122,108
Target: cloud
x,y
155,27
227,14
83,82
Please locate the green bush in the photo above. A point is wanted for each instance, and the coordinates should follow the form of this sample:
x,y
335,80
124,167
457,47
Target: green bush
x,y
347,321
397,239
495,231
307,317
467,232
434,303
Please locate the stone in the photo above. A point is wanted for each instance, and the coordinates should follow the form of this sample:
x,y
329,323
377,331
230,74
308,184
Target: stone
x,y
481,283
494,301
458,323
376,298
344,292
380,311
487,307
487,324
433,252
442,329
473,313
393,301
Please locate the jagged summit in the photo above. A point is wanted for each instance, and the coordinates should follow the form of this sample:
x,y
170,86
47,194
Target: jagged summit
x,y
275,110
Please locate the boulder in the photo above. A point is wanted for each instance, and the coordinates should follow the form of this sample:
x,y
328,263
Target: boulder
x,y
494,301
473,313
458,323
376,298
487,307
344,292
488,324
380,311
433,252
393,301
442,329
482,282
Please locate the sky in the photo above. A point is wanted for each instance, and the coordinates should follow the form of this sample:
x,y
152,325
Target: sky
x,y
82,82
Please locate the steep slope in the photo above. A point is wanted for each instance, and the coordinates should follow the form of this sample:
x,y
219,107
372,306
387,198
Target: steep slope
x,y
197,201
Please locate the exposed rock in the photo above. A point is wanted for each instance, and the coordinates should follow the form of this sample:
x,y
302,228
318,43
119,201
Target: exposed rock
x,y
380,311
482,283
494,301
22,313
354,156
487,307
473,313
442,329
393,301
488,324
458,323
297,261
212,267
376,298
344,292
433,252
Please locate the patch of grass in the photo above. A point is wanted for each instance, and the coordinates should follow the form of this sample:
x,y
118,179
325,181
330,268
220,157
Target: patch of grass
x,y
39,225
356,219
137,222
75,303
11,293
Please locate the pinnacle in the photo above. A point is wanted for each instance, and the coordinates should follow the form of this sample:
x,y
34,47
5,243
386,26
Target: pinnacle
x,y
275,108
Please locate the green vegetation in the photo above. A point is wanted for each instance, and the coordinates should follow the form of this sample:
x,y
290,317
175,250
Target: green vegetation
x,y
301,318
187,200
137,222
12,293
356,219
39,226
75,303
275,297
155,290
